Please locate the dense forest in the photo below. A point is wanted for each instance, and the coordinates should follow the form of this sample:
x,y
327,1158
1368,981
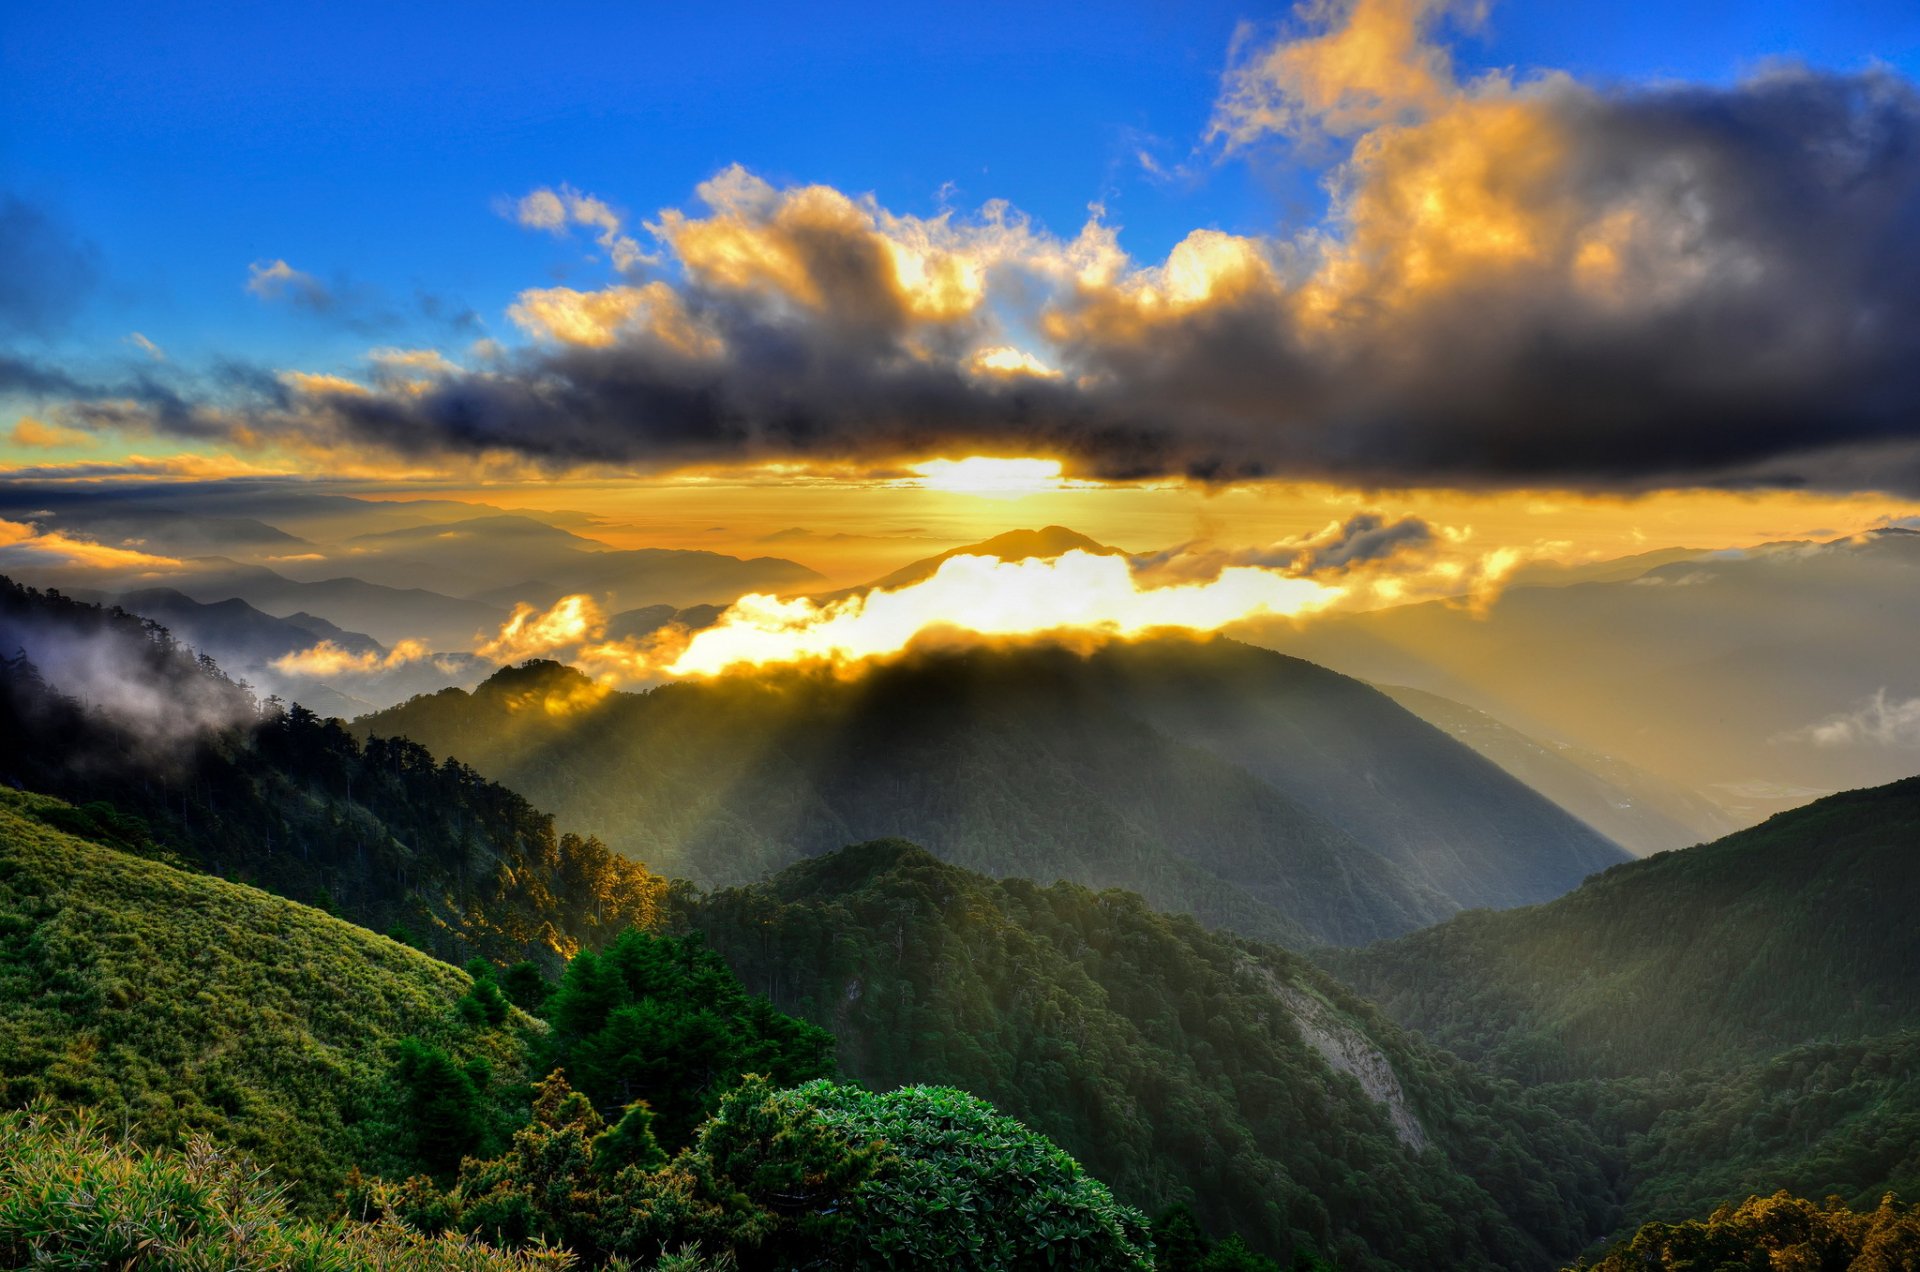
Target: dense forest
x,y
174,1034
458,1038
1183,1066
1798,929
1736,1017
161,751
1258,792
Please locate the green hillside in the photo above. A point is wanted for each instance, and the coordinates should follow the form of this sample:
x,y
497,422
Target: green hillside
x,y
1735,1018
174,1003
1798,930
167,754
1254,791
1181,1065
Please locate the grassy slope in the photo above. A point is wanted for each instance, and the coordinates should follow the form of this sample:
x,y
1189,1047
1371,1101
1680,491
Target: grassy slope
x,y
176,1003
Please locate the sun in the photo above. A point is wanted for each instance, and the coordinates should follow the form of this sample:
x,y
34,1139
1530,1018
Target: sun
x,y
989,478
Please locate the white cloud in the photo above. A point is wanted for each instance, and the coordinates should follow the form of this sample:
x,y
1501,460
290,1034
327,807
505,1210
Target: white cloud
x,y
1878,721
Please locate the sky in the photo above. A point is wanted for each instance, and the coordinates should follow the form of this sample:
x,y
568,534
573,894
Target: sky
x,y
1577,277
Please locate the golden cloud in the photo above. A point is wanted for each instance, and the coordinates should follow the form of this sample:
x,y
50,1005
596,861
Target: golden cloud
x,y
39,435
26,544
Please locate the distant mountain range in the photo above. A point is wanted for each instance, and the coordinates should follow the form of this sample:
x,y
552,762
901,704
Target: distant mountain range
x,y
1760,678
1639,811
1256,791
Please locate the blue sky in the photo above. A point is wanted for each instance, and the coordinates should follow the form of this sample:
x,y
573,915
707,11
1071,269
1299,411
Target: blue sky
x,y
368,145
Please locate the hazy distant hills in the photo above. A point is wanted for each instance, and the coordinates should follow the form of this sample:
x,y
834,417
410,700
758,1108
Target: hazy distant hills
x,y
427,570
1254,790
1760,678
1637,810
506,560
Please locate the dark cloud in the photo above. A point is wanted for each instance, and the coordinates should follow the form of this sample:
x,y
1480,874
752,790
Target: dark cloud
x,y
45,272
1671,286
1366,538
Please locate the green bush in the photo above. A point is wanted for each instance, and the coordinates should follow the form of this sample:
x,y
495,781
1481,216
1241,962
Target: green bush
x,y
921,1177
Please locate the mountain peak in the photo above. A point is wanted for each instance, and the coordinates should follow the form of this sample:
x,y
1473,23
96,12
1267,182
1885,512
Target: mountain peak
x,y
1014,545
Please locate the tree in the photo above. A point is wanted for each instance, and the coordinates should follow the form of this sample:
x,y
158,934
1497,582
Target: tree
x,y
440,1103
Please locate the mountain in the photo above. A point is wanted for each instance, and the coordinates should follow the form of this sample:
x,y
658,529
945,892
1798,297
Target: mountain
x,y
390,615
176,533
1795,931
1015,545
168,755
247,642
186,1004
1183,1066
1736,1018
1642,813
236,633
1254,790
174,1030
1759,678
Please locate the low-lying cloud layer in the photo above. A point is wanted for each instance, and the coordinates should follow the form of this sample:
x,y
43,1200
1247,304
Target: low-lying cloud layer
x,y
1522,281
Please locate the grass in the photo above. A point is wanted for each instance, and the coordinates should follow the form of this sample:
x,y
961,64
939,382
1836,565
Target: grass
x,y
175,1003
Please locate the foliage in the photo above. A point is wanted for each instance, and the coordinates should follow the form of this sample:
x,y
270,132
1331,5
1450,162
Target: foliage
x,y
814,1176
665,1020
1824,1119
1798,930
73,1197
381,832
1168,1058
958,1184
1735,1017
1772,1234
178,1003
1016,762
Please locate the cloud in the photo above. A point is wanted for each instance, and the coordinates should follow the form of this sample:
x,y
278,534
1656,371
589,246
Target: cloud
x,y
39,435
1370,64
23,544
328,659
278,281
531,632
146,346
554,210
1522,281
1373,560
1877,721
46,273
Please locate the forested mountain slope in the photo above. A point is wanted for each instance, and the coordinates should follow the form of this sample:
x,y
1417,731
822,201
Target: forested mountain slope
x,y
1253,790
1797,930
1736,1018
1179,1064
165,754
